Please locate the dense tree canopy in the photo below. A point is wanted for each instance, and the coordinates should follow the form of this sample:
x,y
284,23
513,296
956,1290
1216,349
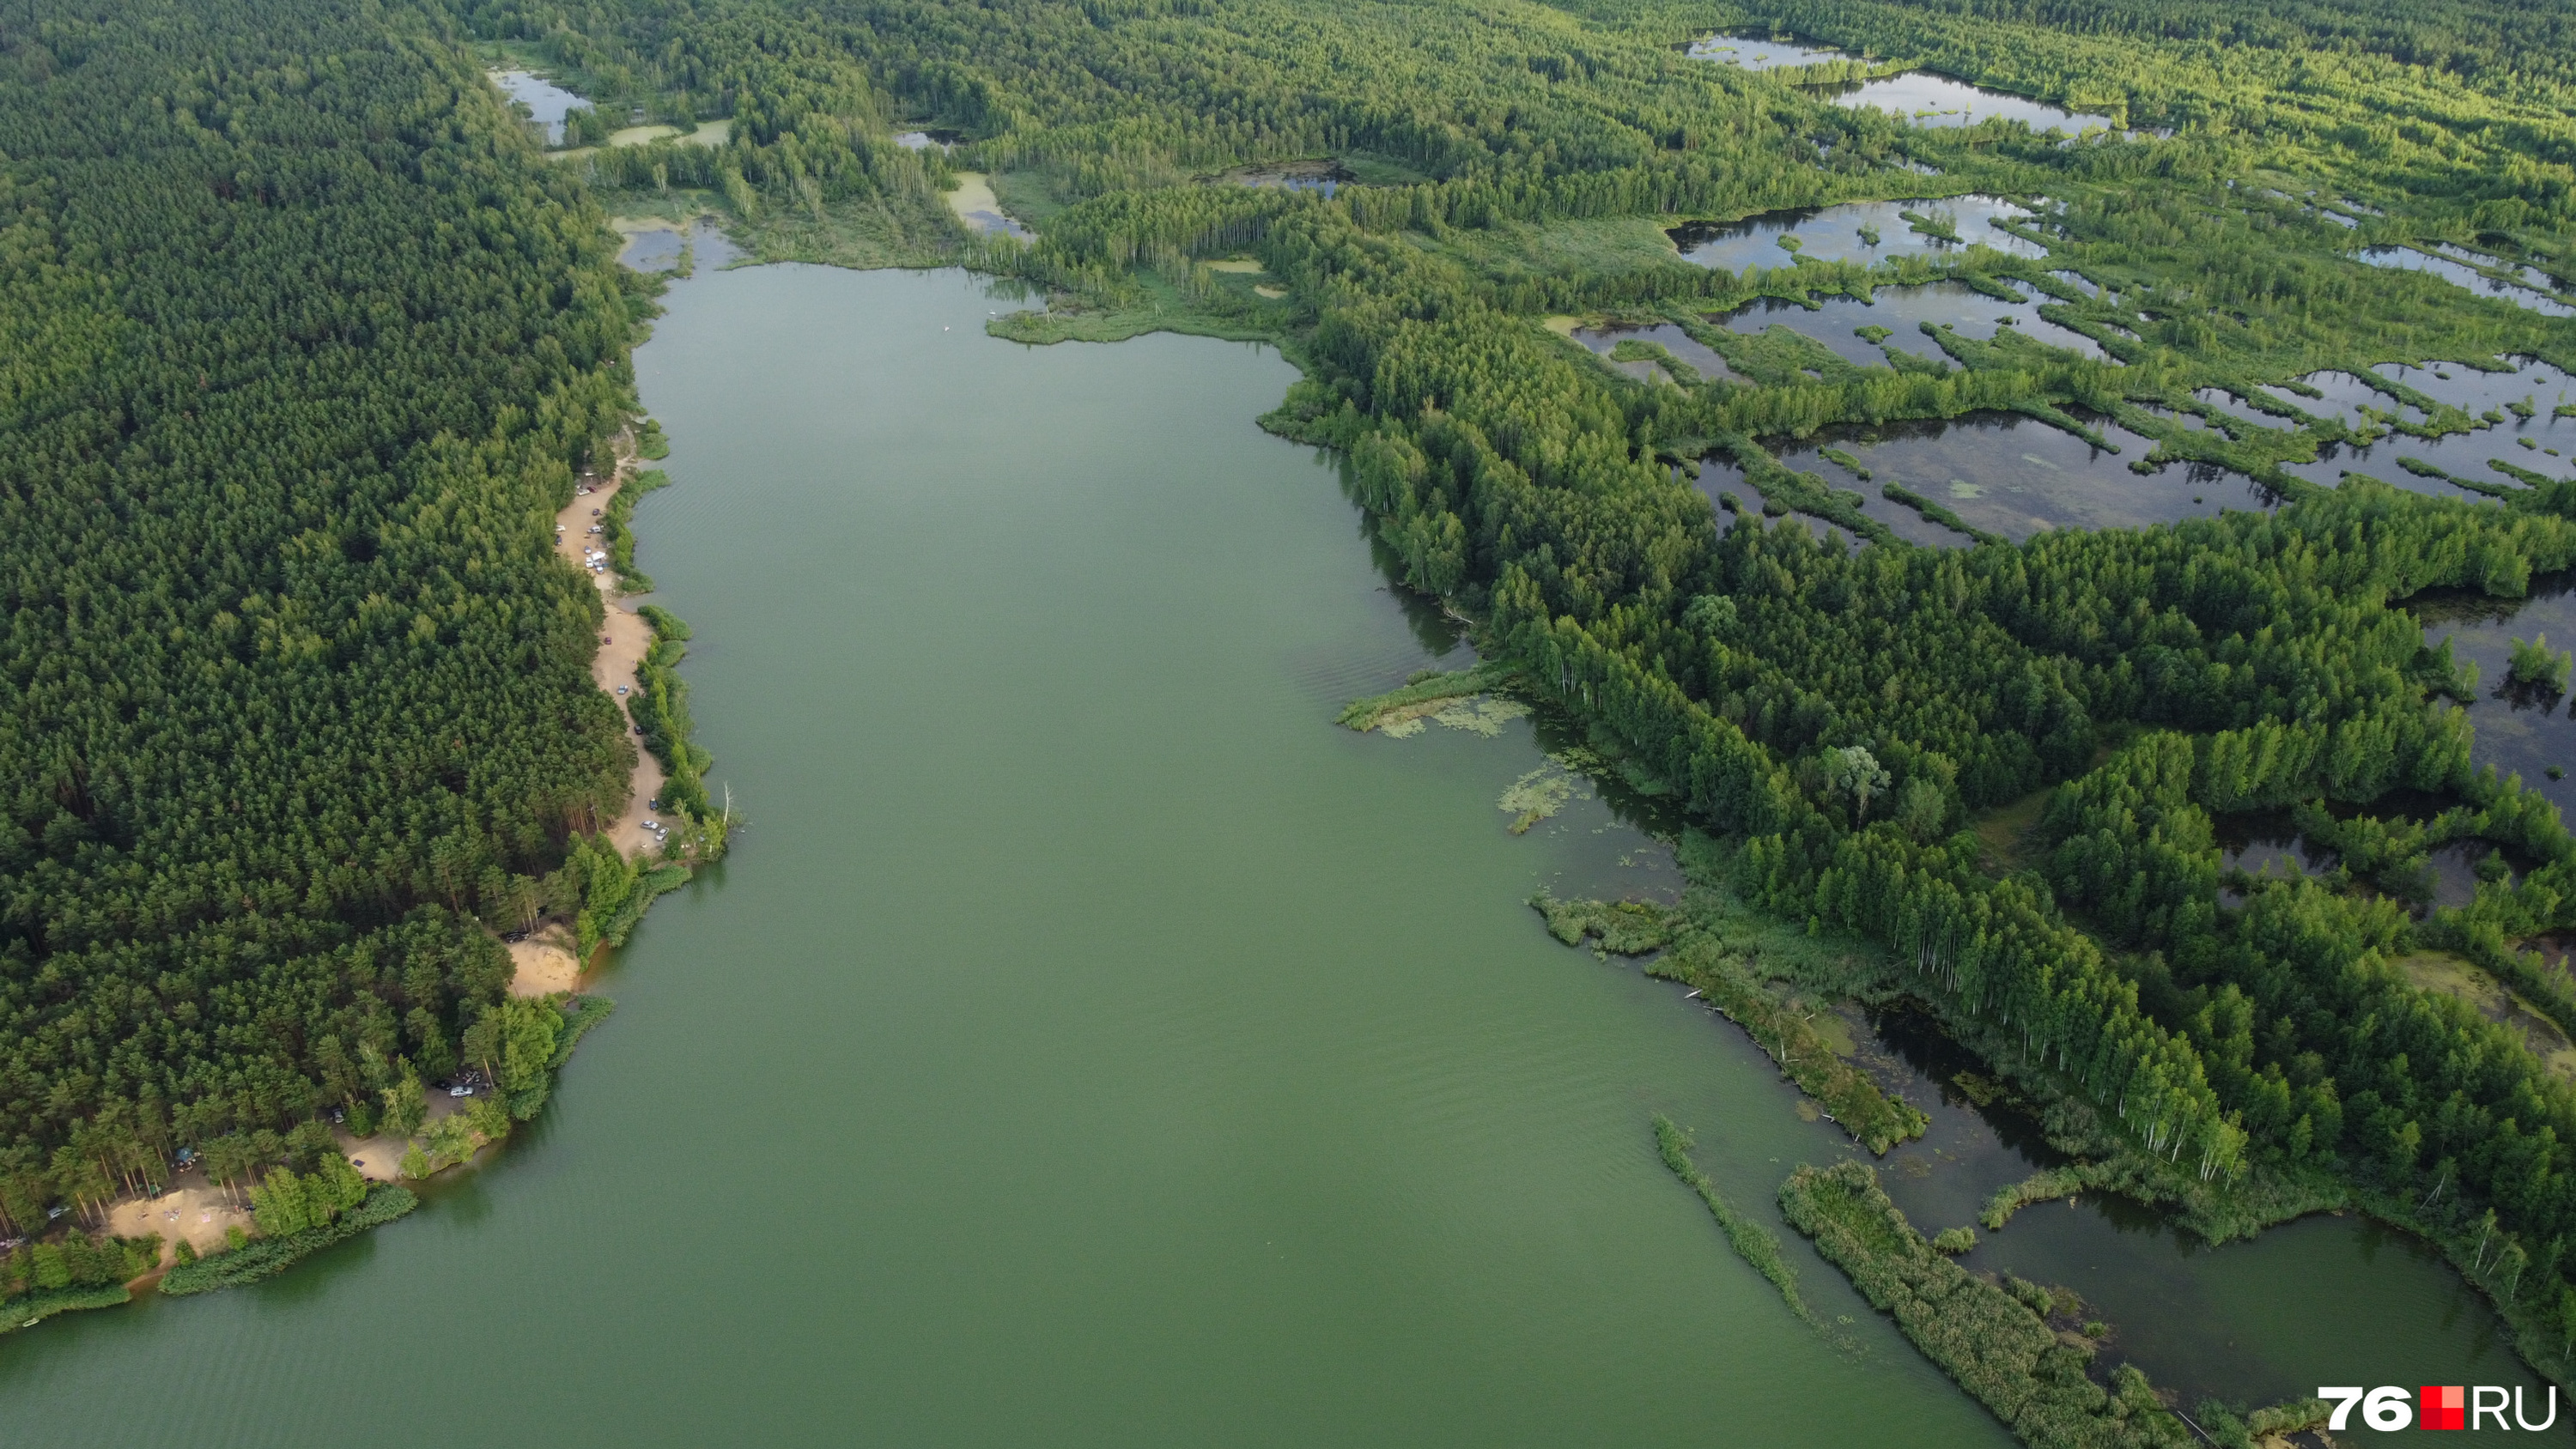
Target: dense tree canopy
x,y
304,343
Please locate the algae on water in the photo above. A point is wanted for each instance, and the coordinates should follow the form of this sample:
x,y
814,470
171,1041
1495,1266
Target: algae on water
x,y
1536,796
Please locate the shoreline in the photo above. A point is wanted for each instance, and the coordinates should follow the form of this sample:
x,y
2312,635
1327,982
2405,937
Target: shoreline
x,y
189,1208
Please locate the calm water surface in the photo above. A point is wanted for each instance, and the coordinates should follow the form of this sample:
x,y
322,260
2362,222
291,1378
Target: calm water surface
x,y
1834,233
1936,100
1088,1043
546,101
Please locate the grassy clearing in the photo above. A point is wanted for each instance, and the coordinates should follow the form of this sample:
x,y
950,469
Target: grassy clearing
x,y
1028,197
884,231
1595,247
2002,831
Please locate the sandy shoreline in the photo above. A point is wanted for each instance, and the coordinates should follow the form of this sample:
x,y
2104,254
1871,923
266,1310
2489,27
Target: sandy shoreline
x,y
625,638
198,1211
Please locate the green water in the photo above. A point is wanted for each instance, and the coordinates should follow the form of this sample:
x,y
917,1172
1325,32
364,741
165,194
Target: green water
x,y
1087,1044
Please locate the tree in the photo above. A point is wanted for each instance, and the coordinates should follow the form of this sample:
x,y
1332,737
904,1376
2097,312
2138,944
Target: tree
x,y
1854,771
278,1205
406,1104
531,1029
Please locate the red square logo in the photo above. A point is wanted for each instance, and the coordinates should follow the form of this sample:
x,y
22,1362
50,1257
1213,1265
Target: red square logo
x,y
2443,1406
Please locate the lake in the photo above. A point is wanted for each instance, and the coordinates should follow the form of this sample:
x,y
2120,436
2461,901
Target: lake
x,y
1088,1041
1936,100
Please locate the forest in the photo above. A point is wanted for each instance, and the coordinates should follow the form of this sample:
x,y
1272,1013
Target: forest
x,y
260,512
304,346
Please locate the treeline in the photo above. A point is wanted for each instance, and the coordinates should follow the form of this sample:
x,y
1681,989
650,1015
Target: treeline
x,y
305,342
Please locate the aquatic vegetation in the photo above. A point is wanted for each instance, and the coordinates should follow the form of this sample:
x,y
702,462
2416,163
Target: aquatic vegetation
x,y
1536,796
1751,1241
1424,694
2538,666
1993,1342
1625,928
265,1257
1481,716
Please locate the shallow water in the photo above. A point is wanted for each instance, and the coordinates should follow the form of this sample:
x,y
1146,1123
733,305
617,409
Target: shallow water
x,y
1936,100
1758,54
2409,259
1718,477
2016,476
2326,1299
546,101
659,249
2519,731
2462,454
1835,321
1832,233
1669,335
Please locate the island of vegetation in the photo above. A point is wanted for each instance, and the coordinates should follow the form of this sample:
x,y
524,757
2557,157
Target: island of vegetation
x,y
296,700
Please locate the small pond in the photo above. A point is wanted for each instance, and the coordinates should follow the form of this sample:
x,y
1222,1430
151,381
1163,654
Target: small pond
x,y
1835,233
2409,259
2016,476
939,138
1836,321
546,101
1323,175
659,248
1667,335
2519,731
1754,53
1936,100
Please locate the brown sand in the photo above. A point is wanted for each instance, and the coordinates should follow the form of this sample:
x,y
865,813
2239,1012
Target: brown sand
x,y
626,638
545,964
198,1212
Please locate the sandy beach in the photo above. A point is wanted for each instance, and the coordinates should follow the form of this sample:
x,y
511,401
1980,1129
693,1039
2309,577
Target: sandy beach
x,y
195,1210
624,639
544,964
